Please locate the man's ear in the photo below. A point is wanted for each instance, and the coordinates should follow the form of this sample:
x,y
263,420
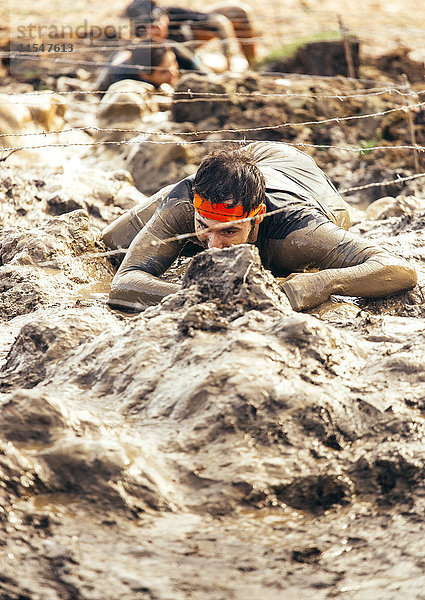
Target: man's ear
x,y
262,213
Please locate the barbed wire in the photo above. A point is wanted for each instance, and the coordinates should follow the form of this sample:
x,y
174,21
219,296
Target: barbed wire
x,y
385,183
212,95
403,108
197,96
200,96
28,56
68,61
215,141
393,89
143,68
277,74
191,45
130,44
183,236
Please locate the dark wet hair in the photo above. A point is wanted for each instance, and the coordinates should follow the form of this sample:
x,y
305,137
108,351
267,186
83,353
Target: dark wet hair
x,y
231,176
148,57
145,11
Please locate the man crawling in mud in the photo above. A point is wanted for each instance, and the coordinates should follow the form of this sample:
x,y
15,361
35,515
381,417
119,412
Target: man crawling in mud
x,y
306,244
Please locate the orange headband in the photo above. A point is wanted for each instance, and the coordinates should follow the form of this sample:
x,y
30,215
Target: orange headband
x,y
221,212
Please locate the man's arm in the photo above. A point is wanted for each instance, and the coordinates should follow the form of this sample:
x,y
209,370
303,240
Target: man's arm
x,y
349,266
136,283
121,232
187,61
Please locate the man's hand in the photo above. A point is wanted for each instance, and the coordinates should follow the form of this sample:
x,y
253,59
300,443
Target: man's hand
x,y
306,290
381,275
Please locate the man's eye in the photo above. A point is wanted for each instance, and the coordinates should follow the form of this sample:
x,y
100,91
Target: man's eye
x,y
229,231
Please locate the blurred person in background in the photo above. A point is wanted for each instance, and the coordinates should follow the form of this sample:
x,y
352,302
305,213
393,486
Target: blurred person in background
x,y
151,22
228,23
154,64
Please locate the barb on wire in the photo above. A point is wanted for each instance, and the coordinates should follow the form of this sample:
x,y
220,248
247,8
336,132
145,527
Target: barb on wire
x,y
4,158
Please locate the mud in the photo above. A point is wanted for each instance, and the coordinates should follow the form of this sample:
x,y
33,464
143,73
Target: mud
x,y
219,445
217,431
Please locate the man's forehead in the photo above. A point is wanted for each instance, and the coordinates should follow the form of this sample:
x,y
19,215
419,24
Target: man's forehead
x,y
217,224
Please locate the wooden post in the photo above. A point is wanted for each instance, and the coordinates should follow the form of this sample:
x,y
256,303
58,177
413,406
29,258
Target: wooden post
x,y
407,88
347,49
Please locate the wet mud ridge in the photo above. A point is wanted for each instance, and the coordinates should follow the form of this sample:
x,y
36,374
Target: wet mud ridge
x,y
218,445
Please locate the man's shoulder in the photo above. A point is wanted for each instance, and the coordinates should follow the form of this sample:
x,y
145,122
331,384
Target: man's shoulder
x,y
181,192
293,178
176,207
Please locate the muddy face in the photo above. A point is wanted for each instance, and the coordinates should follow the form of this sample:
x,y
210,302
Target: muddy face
x,y
230,234
166,72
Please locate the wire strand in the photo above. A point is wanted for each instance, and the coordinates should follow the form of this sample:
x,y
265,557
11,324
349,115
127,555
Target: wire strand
x,y
183,236
142,68
403,108
358,188
221,141
213,95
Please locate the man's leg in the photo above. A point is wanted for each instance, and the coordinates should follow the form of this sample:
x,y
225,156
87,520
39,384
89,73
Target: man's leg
x,y
242,19
217,26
